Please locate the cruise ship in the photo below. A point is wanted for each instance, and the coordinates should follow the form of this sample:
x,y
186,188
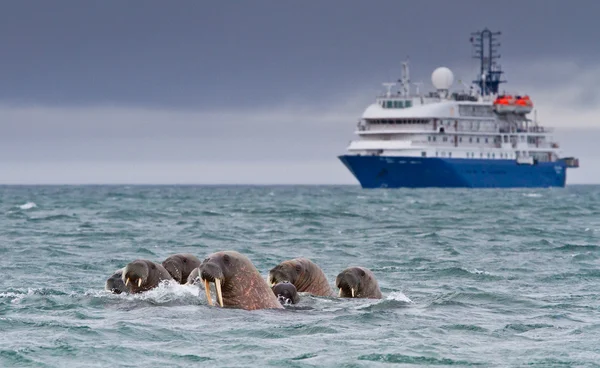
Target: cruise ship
x,y
475,138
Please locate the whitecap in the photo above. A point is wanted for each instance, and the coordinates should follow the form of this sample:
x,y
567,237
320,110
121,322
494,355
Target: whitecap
x,y
399,297
166,291
27,206
532,195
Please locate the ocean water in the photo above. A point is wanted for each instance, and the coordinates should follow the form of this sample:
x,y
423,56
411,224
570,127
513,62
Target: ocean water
x,y
470,277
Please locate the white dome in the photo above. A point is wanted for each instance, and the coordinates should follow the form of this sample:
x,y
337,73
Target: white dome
x,y
442,78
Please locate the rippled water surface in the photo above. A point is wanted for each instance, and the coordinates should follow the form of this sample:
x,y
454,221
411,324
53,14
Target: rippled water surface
x,y
469,277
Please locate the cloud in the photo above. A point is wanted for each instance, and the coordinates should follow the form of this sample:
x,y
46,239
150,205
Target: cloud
x,y
288,141
280,144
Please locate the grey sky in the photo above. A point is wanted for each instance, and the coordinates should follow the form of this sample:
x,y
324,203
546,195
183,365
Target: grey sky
x,y
261,91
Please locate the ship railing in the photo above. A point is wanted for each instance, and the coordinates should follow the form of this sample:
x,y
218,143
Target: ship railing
x,y
540,129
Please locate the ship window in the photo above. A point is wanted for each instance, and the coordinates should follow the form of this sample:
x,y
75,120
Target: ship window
x,y
481,154
434,139
449,154
470,140
407,103
429,138
488,155
477,140
424,154
460,139
493,155
486,140
389,104
445,139
436,153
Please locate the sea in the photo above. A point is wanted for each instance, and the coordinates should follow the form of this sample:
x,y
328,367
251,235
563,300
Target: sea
x,y
470,277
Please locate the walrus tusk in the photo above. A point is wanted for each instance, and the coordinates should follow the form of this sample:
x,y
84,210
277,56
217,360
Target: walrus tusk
x,y
127,282
340,293
219,293
352,292
139,282
207,290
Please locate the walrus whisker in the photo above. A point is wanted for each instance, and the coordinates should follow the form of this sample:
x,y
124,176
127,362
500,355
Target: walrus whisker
x,y
219,293
207,290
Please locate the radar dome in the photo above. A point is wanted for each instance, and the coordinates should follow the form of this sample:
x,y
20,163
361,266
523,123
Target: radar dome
x,y
442,78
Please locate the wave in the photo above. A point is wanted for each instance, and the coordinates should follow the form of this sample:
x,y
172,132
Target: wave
x,y
28,206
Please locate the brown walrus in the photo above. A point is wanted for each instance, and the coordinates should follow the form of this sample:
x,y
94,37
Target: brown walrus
x,y
142,275
358,282
180,266
305,275
286,293
237,282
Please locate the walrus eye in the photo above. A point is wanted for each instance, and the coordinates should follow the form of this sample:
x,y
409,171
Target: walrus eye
x,y
362,273
298,268
184,260
226,258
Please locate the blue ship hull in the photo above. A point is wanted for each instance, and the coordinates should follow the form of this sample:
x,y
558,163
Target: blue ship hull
x,y
422,172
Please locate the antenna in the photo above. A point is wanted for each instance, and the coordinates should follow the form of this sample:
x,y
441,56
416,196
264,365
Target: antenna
x,y
406,78
485,48
389,88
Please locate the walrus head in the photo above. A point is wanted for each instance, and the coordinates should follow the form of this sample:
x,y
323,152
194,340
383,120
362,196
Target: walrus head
x,y
350,282
238,284
286,293
135,275
115,283
288,271
174,266
194,277
218,268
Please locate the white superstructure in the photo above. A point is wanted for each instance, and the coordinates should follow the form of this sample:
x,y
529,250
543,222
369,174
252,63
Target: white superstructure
x,y
449,124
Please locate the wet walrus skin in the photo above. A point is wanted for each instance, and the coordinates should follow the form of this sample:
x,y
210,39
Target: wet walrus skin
x,y
358,282
286,293
237,282
115,283
306,276
142,275
180,266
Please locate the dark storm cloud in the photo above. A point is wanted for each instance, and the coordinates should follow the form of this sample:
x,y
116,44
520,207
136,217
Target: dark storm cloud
x,y
257,91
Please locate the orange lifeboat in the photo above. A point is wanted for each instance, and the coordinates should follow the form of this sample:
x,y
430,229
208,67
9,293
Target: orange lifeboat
x,y
523,105
504,104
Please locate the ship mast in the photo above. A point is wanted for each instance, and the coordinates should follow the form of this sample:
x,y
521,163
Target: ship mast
x,y
485,48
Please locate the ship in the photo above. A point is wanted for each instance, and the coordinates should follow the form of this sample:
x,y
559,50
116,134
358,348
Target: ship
x,y
473,138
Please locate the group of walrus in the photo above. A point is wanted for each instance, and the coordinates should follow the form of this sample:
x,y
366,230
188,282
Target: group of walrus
x,y
238,284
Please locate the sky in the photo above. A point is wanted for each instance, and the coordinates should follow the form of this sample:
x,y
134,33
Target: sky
x,y
261,92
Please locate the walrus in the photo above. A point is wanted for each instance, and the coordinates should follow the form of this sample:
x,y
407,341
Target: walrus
x,y
286,293
358,282
305,275
142,275
180,266
115,283
237,282
194,278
